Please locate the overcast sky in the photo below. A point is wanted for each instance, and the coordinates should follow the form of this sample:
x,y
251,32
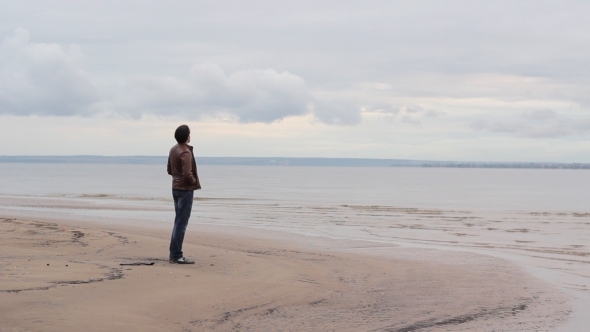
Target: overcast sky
x,y
435,80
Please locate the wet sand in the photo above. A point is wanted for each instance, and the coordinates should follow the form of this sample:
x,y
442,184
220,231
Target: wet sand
x,y
65,275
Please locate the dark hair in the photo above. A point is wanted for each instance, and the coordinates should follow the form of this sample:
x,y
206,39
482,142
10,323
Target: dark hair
x,y
181,134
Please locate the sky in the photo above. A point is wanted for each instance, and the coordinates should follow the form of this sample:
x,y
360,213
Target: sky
x,y
426,80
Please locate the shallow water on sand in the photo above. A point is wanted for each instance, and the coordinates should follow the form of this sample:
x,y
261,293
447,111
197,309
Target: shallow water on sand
x,y
537,218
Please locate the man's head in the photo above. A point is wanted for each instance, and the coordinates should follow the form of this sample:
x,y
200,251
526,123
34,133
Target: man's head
x,y
182,134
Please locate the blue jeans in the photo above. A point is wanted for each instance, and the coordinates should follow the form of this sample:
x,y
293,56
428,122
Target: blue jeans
x,y
183,204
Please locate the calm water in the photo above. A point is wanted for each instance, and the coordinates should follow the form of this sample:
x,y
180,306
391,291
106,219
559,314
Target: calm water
x,y
537,218
445,188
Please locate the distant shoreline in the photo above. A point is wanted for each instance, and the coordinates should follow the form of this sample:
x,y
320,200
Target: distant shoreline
x,y
285,161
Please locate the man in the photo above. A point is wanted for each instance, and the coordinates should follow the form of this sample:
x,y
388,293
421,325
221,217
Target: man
x,y
182,167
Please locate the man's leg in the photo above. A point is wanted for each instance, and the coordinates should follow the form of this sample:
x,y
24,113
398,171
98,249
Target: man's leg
x,y
183,204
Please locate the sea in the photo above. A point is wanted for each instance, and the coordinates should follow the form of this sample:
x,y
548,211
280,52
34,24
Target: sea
x,y
536,218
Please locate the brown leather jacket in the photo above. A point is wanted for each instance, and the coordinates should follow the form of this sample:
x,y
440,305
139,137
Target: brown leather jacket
x,y
182,167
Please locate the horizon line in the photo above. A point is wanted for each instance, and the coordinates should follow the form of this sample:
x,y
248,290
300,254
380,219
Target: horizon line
x,y
290,161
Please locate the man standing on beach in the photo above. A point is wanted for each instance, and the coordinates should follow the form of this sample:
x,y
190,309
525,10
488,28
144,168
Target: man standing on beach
x,y
183,168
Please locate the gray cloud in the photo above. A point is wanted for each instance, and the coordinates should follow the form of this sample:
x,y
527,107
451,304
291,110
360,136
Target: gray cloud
x,y
340,113
326,42
437,54
248,95
432,113
543,114
323,42
544,123
383,108
412,115
42,79
46,79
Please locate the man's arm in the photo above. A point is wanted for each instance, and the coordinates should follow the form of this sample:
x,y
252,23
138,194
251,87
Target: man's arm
x,y
186,163
169,167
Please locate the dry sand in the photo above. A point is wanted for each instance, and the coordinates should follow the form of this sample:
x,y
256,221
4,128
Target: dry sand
x,y
66,276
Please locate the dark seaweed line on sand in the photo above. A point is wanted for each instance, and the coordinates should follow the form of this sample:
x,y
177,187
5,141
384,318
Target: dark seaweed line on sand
x,y
227,316
115,274
500,312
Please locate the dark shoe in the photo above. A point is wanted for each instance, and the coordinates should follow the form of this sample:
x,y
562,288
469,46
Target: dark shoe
x,y
181,260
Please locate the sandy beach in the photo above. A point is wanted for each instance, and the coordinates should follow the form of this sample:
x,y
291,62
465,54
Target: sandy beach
x,y
65,275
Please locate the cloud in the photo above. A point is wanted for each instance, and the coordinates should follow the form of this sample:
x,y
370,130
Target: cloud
x,y
339,113
543,114
42,79
46,79
543,123
412,115
383,108
432,113
247,95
